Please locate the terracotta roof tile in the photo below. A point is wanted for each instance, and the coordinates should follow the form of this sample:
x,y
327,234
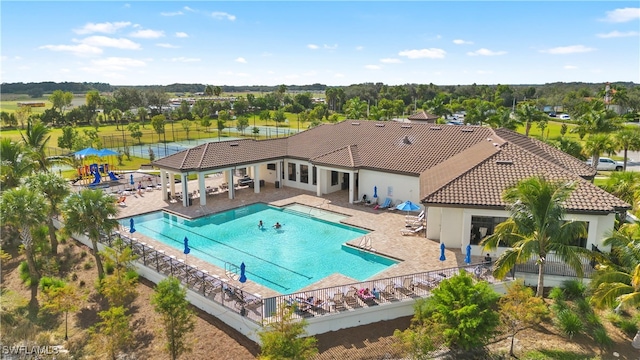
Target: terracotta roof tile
x,y
423,116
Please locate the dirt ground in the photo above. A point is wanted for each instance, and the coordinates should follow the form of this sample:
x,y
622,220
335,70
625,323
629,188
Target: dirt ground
x,y
213,339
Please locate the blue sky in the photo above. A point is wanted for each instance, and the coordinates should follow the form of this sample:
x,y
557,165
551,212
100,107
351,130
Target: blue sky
x,y
329,42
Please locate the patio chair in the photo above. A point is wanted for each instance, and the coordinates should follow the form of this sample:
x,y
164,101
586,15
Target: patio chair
x,y
393,207
350,297
406,232
337,300
415,218
385,204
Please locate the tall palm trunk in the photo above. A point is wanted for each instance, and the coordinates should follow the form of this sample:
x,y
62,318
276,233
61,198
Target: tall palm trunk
x,y
34,274
52,236
540,290
96,254
527,128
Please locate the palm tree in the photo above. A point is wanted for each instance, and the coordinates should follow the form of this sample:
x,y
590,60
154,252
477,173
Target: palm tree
x,y
142,115
627,139
36,138
92,212
503,119
528,114
25,209
624,185
14,164
55,189
598,144
596,121
116,115
537,227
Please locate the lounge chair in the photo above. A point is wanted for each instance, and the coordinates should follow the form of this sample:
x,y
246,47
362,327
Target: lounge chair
x,y
385,204
337,300
350,297
415,218
415,231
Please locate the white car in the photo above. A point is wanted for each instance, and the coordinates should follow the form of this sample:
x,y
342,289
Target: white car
x,y
564,117
606,164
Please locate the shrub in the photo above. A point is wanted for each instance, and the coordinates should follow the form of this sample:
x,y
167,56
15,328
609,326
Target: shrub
x,y
629,327
569,323
557,294
601,337
584,307
574,289
23,269
82,283
83,254
109,267
559,306
88,265
593,319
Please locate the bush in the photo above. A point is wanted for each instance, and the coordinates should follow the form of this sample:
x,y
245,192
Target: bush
x,y
556,294
601,337
88,265
83,254
569,323
629,327
584,307
574,289
82,283
109,267
559,306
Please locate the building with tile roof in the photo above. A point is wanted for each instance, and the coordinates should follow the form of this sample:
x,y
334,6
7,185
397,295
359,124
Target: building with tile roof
x,y
458,173
424,117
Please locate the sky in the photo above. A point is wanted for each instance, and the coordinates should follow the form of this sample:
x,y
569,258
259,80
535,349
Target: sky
x,y
336,43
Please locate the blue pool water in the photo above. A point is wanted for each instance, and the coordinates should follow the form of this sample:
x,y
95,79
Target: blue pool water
x,y
302,252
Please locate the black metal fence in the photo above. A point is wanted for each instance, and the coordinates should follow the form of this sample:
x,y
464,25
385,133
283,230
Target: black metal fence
x,y
555,266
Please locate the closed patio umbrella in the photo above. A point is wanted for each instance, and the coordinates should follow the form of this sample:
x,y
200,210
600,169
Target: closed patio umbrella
x,y
243,277
132,229
442,257
467,258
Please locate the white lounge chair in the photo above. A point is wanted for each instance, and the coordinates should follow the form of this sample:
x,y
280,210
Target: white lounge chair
x,y
415,218
415,231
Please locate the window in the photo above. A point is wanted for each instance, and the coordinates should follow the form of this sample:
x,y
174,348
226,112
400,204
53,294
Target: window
x,y
271,166
292,172
483,226
304,174
334,178
582,240
315,175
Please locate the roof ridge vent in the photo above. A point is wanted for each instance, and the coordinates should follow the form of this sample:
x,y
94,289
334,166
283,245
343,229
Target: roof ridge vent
x,y
234,144
406,140
405,126
504,162
379,125
489,139
496,144
355,123
466,130
435,128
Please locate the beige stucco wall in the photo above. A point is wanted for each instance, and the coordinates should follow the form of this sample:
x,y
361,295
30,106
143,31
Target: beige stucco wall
x,y
394,186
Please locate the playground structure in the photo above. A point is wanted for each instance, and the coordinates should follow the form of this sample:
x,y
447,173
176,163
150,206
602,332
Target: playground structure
x,y
102,176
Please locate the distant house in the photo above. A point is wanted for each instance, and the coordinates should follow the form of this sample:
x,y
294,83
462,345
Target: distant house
x,y
423,117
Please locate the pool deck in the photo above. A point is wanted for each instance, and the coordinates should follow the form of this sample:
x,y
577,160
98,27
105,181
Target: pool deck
x,y
417,253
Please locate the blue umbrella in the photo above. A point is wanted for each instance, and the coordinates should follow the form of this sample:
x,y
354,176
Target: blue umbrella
x,y
106,152
442,257
467,258
187,250
243,277
408,206
132,229
375,191
131,179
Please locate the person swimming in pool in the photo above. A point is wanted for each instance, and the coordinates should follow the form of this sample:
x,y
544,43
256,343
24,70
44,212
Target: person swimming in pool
x,y
260,225
277,225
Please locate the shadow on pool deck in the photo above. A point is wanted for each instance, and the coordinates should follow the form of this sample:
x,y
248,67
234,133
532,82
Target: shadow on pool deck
x,y
418,254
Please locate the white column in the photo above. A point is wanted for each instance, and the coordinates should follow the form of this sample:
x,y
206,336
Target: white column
x,y
202,189
163,183
172,183
352,182
231,186
319,179
279,172
256,178
185,190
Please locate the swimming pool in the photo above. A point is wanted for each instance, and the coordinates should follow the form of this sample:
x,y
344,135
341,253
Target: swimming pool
x,y
303,251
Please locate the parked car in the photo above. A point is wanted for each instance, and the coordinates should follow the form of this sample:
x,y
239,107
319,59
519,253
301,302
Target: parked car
x,y
564,117
606,164
552,114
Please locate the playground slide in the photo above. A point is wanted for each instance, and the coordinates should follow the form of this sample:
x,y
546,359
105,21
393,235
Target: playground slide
x,y
96,181
113,176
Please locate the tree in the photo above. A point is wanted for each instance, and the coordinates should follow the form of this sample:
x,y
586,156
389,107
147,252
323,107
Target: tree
x,y
93,100
460,313
112,333
120,287
60,297
23,114
205,123
25,209
624,185
14,165
158,123
136,133
627,139
355,109
519,309
595,121
242,124
169,300
527,114
285,338
217,91
61,99
36,138
504,119
92,212
596,145
537,227
116,115
279,117
55,189
68,137
142,115
265,115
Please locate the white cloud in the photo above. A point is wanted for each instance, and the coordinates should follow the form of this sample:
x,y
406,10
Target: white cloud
x,y
183,59
117,64
373,67
167,46
485,52
313,46
359,48
462,42
431,53
563,50
617,34
391,61
78,50
570,67
106,28
104,41
622,15
189,9
222,16
241,60
330,47
175,13
147,34
181,34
